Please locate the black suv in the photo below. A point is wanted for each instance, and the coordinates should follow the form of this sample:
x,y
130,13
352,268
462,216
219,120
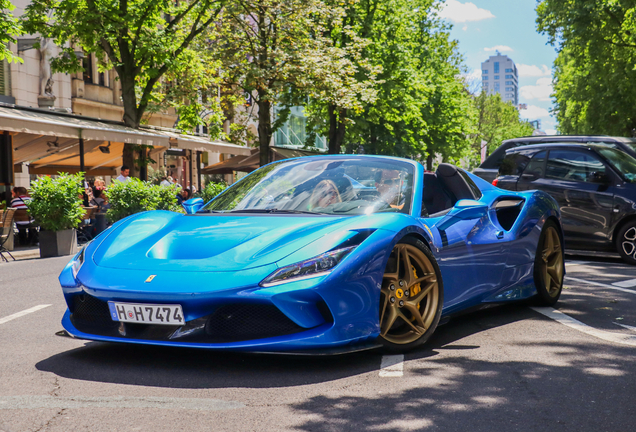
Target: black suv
x,y
489,168
594,184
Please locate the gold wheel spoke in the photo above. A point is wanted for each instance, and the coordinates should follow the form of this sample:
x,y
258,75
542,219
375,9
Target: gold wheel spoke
x,y
422,294
408,273
390,320
422,279
408,321
412,307
386,303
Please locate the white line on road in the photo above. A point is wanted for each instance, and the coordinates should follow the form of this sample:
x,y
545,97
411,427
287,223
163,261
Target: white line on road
x,y
24,312
55,402
392,366
626,283
632,328
601,285
567,320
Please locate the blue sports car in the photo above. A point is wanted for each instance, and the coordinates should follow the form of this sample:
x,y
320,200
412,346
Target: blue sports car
x,y
317,254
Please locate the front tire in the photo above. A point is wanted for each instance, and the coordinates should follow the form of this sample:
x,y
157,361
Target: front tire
x,y
411,297
626,242
549,265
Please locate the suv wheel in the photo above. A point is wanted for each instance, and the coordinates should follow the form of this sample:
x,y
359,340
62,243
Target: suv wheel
x,y
626,242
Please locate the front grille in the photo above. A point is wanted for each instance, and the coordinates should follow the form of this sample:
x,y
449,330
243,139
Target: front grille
x,y
229,323
240,322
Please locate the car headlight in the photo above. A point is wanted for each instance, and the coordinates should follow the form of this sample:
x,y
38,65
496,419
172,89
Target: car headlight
x,y
313,267
78,261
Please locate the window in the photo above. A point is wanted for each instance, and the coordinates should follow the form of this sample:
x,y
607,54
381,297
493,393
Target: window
x,y
536,167
87,65
513,164
496,86
485,78
496,76
509,82
508,70
485,85
496,67
509,89
573,165
484,71
508,76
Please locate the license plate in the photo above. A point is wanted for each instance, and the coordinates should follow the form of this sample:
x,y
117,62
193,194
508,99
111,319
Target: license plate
x,y
146,313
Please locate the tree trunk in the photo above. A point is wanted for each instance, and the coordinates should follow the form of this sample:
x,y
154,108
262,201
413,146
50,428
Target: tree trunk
x,y
128,159
131,115
264,128
337,128
429,162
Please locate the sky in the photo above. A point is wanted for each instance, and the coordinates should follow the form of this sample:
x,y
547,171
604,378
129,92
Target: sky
x,y
483,26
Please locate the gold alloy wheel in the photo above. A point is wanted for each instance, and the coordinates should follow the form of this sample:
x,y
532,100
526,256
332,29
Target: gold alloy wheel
x,y
409,297
551,263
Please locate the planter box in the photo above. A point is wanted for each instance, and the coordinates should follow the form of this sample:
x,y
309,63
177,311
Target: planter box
x,y
58,243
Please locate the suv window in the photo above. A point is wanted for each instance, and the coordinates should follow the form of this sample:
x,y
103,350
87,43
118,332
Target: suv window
x,y
495,159
513,164
537,165
573,165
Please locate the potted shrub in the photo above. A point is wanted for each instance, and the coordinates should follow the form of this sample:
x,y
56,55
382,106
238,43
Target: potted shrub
x,y
134,196
56,205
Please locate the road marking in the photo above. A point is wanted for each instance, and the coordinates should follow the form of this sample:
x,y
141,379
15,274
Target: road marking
x,y
24,312
567,320
392,366
55,402
626,326
626,283
601,285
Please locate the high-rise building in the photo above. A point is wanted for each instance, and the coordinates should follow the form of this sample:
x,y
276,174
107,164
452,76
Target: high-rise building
x,y
499,75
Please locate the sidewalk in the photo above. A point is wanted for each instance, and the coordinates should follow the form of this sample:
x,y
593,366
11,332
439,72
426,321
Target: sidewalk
x,y
23,253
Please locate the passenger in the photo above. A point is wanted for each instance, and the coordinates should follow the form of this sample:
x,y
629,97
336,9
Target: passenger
x,y
389,183
324,194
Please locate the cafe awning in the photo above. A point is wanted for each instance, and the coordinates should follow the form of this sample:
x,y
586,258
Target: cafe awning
x,y
252,162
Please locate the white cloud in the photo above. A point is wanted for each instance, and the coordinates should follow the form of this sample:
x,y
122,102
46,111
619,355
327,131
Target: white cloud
x,y
500,48
465,27
541,91
463,12
533,71
534,112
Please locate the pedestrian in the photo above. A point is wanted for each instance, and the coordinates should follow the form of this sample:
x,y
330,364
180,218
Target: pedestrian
x,y
124,176
27,233
166,181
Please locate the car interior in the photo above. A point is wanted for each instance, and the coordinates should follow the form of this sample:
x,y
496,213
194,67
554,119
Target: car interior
x,y
443,189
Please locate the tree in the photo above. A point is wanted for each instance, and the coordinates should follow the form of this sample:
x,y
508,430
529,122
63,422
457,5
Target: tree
x,y
143,40
10,29
496,121
594,73
276,51
421,105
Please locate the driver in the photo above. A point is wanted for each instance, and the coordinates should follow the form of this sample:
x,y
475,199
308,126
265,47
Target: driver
x,y
389,184
325,193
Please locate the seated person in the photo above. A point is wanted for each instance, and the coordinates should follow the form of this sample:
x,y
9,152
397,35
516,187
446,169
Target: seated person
x,y
388,183
325,194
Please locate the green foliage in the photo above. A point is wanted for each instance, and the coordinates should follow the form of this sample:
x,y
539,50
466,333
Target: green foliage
x,y
211,190
594,73
143,40
10,29
134,196
56,203
422,108
496,121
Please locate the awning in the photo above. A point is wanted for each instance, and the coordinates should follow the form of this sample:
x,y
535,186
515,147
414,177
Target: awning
x,y
50,141
225,167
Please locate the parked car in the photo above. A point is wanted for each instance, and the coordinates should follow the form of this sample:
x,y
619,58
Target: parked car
x,y
594,184
489,168
323,253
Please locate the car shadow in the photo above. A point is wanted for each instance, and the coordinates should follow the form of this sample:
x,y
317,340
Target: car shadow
x,y
169,367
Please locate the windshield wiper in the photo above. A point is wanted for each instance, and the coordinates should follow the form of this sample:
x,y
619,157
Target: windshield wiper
x,y
274,210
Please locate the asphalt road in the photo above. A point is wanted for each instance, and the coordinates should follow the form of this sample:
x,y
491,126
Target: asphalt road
x,y
511,368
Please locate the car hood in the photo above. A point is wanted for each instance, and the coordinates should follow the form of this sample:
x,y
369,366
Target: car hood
x,y
161,240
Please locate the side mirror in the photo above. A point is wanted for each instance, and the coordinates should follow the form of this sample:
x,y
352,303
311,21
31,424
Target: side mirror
x,y
193,205
598,177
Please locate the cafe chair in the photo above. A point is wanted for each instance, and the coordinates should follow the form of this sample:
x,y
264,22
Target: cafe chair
x,y
6,227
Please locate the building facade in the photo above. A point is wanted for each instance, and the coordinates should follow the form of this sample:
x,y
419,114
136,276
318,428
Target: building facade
x,y
499,75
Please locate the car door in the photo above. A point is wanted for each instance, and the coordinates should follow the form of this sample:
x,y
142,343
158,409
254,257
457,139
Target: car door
x,y
579,181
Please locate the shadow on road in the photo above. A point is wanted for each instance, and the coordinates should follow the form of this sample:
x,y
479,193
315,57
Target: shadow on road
x,y
194,368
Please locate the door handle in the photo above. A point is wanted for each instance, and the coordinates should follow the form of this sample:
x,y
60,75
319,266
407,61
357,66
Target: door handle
x,y
500,235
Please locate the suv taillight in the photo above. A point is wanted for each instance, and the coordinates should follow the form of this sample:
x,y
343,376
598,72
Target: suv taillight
x,y
495,181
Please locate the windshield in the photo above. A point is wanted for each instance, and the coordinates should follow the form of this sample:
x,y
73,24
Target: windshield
x,y
321,185
622,162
